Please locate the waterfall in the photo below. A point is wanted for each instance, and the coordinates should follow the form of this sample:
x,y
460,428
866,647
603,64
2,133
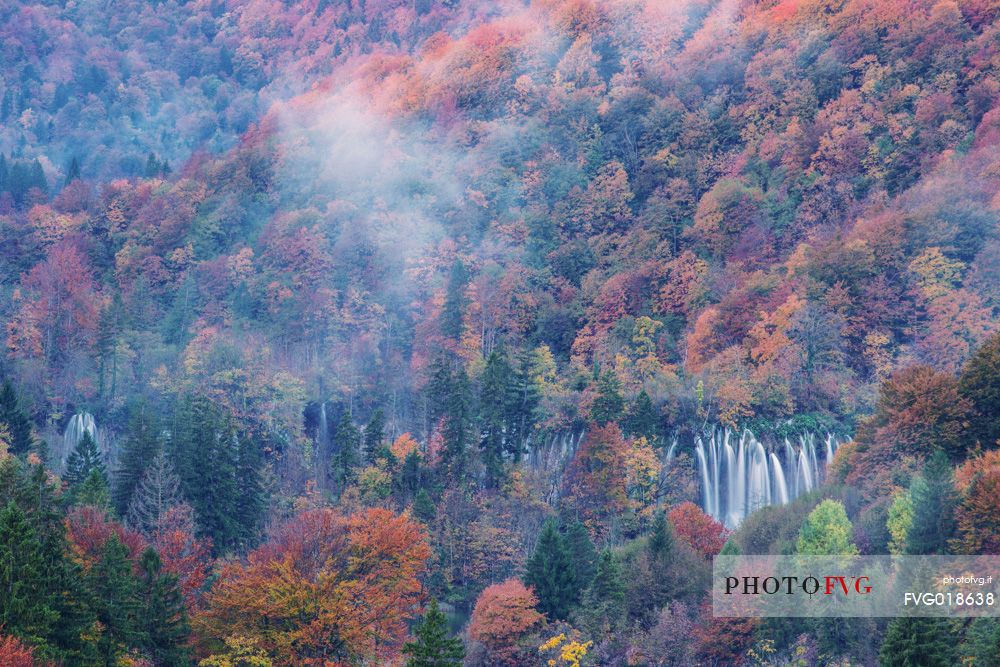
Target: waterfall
x,y
736,480
80,423
670,451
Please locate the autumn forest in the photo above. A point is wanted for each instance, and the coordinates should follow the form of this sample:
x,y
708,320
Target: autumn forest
x,y
428,333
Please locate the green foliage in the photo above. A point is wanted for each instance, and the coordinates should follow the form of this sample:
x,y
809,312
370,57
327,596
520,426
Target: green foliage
x,y
375,435
642,419
116,602
917,642
85,458
899,521
550,573
603,606
662,539
980,383
433,645
163,614
423,507
826,532
139,448
13,416
582,553
93,490
26,609
609,405
455,302
346,450
934,499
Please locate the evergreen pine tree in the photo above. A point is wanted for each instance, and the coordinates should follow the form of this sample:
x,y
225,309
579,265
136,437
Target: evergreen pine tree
x,y
609,405
980,383
375,435
433,647
139,449
346,443
206,448
18,425
933,494
581,552
522,405
423,507
917,642
93,490
164,615
661,542
85,457
117,602
73,170
457,424
25,605
438,388
455,302
603,608
157,492
251,505
642,420
494,411
550,573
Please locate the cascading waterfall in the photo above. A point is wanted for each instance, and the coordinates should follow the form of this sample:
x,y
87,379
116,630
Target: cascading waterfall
x,y
739,478
80,423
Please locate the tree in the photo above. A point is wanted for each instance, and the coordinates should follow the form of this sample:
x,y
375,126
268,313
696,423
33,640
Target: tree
x,y
347,445
581,550
457,425
375,435
13,653
18,425
608,406
325,588
661,541
139,449
25,608
550,574
433,646
933,494
978,516
455,303
73,170
423,507
899,520
603,608
158,491
164,616
493,405
826,531
979,383
183,554
642,420
84,459
706,535
913,642
117,602
504,613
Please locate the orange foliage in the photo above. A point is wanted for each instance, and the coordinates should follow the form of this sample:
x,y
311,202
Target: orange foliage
x,y
182,553
326,588
978,516
403,446
89,528
503,614
15,654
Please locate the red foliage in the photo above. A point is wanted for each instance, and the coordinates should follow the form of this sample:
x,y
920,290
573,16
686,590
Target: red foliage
x,y
698,529
15,654
182,553
88,529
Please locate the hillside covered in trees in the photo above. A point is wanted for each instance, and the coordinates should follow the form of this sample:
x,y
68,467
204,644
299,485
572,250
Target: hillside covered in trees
x,y
351,332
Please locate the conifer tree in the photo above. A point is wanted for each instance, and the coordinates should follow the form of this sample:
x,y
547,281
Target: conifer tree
x,y
139,449
18,425
117,602
933,494
85,458
609,405
347,443
165,618
980,383
661,542
251,504
159,490
93,491
455,302
550,573
642,420
581,552
603,608
73,170
913,642
25,606
457,423
494,411
375,435
423,507
522,405
433,646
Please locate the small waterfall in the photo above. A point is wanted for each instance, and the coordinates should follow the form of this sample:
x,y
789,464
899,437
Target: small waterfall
x,y
80,423
670,451
736,480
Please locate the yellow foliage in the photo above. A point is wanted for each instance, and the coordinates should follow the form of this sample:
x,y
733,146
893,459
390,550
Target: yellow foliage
x,y
570,651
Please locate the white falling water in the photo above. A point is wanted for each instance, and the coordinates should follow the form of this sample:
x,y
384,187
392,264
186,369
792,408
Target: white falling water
x,y
80,423
738,478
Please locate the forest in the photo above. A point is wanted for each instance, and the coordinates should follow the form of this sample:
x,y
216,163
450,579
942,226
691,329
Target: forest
x,y
442,333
